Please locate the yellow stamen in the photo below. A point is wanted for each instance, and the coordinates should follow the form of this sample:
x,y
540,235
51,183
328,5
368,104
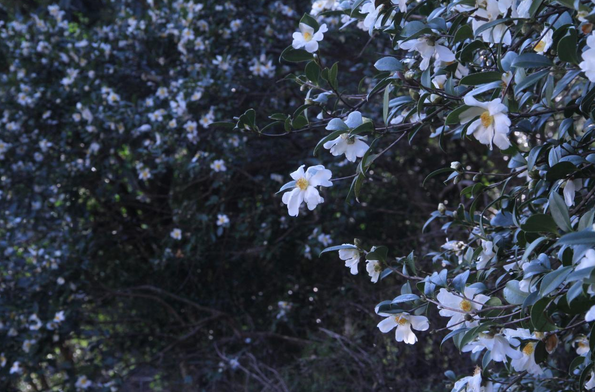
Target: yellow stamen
x,y
465,305
401,320
307,36
540,46
487,119
529,349
302,183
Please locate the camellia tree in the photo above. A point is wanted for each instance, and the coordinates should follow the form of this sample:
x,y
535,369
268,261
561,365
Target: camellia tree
x,y
513,287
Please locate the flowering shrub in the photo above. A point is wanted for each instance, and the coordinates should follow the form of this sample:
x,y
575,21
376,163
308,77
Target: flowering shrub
x,y
513,286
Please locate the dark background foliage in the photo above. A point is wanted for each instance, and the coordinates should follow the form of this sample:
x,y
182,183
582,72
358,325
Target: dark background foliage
x,y
153,313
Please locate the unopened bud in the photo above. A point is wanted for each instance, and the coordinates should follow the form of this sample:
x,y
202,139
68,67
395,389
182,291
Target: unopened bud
x,y
532,184
477,177
409,75
414,94
441,208
456,165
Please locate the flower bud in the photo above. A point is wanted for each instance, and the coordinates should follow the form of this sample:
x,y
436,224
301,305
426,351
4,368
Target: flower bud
x,y
414,94
441,208
477,177
457,179
456,165
409,75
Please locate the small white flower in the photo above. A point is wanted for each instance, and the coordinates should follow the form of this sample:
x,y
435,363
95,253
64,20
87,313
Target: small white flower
x,y
545,43
588,63
527,361
27,345
470,383
144,174
590,316
492,125
176,234
218,165
374,270
325,239
428,50
487,254
308,39
460,307
582,345
351,257
570,188
59,317
34,322
404,323
222,220
498,344
352,146
83,383
305,188
590,384
16,368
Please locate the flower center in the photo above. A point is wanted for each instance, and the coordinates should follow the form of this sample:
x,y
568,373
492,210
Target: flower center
x,y
378,268
540,46
302,183
486,119
465,305
529,348
307,36
400,320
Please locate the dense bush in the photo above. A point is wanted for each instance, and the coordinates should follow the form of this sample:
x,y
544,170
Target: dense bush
x,y
515,279
144,247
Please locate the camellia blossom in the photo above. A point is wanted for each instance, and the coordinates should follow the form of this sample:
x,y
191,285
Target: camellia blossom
x,y
404,323
570,188
545,43
83,382
308,39
222,220
428,49
459,307
527,361
470,383
305,188
581,344
588,63
493,10
492,125
498,344
590,384
487,254
374,270
351,257
176,234
352,146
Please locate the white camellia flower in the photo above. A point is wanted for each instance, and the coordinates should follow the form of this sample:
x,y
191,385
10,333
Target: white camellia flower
x,y
590,384
588,63
545,43
218,165
570,188
374,270
176,234
222,220
459,307
16,368
352,146
402,5
492,125
308,39
471,383
83,382
305,188
498,344
428,49
590,316
487,254
527,361
404,322
582,346
492,10
351,257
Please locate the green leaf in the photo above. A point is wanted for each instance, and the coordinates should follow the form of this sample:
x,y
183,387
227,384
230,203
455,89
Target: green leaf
x,y
338,247
586,220
295,55
385,105
553,280
539,318
464,32
578,238
389,64
313,72
377,253
567,47
481,78
530,80
405,298
531,60
453,116
490,25
436,172
513,294
290,184
560,170
310,21
540,223
535,4
532,247
559,211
